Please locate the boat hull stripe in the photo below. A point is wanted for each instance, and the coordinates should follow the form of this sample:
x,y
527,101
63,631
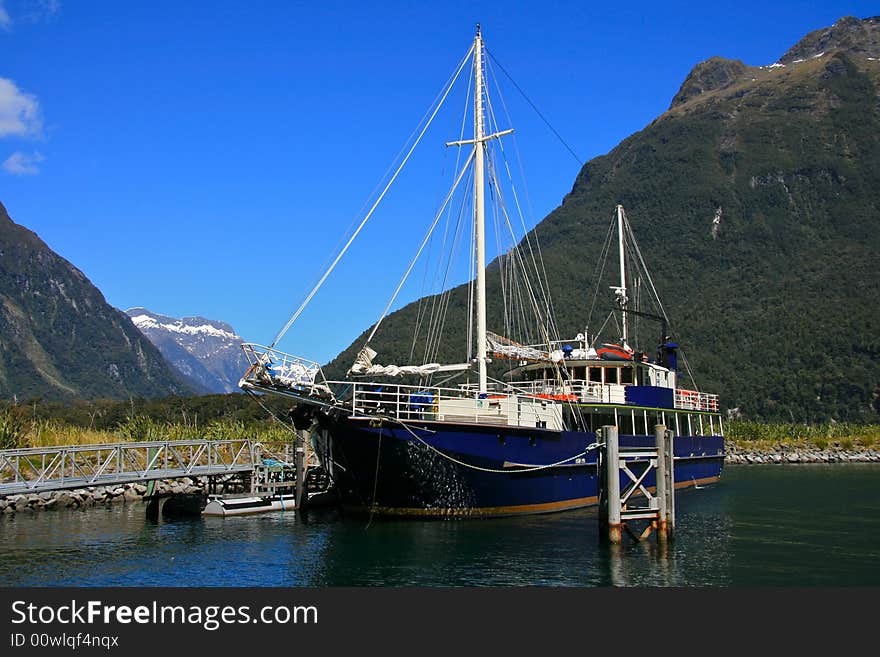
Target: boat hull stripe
x,y
520,509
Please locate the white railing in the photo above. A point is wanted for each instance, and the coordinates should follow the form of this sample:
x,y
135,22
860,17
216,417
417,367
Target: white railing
x,y
606,393
37,469
400,401
575,390
270,368
463,404
691,400
512,403
282,372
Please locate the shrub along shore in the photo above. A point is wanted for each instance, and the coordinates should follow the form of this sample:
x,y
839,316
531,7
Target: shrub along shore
x,y
779,443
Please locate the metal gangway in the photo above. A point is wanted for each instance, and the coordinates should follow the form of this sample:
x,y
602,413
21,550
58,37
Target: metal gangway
x,y
42,469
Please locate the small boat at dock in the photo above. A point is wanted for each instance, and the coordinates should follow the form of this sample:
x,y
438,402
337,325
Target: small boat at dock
x,y
238,506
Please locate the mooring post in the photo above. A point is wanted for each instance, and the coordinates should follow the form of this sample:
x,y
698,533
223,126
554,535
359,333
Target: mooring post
x,y
300,452
668,458
611,452
151,485
155,507
661,493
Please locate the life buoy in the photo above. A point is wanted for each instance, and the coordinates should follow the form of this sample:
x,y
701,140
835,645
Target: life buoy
x,y
558,397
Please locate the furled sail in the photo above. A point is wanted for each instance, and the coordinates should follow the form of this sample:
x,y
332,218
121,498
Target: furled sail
x,y
363,364
501,347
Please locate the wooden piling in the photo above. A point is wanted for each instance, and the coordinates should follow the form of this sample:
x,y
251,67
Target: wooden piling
x,y
666,475
617,508
609,479
661,524
299,459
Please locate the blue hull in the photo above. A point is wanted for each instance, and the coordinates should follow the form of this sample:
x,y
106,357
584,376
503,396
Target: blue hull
x,y
438,469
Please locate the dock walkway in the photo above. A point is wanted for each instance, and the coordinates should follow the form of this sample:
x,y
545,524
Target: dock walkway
x,y
45,469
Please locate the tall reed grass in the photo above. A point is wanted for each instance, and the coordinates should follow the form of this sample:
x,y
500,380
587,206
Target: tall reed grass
x,y
841,435
17,430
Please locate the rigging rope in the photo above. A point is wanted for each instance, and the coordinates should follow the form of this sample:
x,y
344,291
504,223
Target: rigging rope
x,y
588,449
423,304
375,480
657,296
335,262
271,413
541,275
603,260
421,248
534,107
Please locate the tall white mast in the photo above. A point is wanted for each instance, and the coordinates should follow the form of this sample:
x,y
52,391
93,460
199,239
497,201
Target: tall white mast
x,y
479,142
621,291
479,209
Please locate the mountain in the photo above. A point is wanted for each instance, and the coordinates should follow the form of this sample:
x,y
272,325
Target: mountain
x,y
206,352
59,338
754,198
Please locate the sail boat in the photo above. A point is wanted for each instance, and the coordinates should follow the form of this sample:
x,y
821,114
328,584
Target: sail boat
x,y
527,444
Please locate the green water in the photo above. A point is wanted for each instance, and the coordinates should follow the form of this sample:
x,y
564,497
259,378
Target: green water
x,y
760,525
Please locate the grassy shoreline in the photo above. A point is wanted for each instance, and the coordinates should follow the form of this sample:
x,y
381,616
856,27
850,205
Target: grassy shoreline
x,y
26,426
777,437
18,431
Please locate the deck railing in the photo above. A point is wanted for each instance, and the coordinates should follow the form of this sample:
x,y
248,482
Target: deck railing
x,y
400,401
691,400
285,373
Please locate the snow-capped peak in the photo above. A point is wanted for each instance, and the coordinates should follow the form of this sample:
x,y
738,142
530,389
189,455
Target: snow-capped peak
x,y
179,326
204,351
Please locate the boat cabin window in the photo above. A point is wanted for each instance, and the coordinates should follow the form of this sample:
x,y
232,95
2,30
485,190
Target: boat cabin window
x,y
625,424
611,375
652,419
626,375
599,420
596,374
534,375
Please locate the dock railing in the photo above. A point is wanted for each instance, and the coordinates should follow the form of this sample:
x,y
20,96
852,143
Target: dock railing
x,y
40,469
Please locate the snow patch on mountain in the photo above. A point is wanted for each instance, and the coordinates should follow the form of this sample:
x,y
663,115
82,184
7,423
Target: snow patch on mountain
x,y
203,350
144,322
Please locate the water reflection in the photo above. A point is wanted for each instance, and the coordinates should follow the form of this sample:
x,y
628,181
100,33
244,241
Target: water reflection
x,y
759,525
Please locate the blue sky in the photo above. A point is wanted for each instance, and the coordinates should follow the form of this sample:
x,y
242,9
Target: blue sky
x,y
207,158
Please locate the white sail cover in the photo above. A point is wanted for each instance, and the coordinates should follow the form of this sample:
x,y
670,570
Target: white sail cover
x,y
363,365
506,348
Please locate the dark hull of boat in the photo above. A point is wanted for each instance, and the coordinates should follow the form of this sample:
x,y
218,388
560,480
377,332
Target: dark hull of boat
x,y
446,470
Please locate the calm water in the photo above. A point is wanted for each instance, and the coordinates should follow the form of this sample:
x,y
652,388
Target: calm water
x,y
761,525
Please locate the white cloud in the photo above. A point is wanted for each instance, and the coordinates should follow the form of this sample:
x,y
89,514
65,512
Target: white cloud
x,y
23,164
5,21
19,112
